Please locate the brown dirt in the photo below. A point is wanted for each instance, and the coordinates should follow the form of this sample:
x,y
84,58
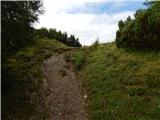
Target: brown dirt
x,y
66,98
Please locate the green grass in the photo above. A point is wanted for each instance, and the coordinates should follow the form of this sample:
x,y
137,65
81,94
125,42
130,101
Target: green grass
x,y
121,85
24,76
79,60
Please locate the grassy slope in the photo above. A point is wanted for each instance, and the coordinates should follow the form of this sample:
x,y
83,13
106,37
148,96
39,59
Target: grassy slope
x,y
24,77
121,85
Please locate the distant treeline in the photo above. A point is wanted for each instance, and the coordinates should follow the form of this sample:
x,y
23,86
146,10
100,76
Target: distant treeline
x,y
58,35
143,32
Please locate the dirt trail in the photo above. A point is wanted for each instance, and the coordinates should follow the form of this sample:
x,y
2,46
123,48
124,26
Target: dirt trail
x,y
66,100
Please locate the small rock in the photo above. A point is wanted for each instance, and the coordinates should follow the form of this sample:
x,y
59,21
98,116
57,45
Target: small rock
x,y
51,89
85,96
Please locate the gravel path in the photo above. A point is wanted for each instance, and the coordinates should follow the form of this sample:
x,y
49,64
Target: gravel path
x,y
66,100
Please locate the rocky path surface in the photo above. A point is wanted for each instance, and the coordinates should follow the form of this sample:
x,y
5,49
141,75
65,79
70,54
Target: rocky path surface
x,y
66,99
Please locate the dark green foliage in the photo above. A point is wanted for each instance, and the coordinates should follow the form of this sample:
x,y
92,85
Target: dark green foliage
x,y
54,34
143,31
16,33
17,30
17,18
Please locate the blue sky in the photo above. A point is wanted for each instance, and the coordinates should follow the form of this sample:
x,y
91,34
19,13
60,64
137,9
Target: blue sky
x,y
106,7
88,19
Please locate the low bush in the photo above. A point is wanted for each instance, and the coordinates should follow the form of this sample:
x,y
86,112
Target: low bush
x,y
79,60
143,32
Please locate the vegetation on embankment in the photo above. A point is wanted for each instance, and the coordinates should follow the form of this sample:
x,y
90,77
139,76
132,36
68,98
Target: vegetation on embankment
x,y
121,85
23,76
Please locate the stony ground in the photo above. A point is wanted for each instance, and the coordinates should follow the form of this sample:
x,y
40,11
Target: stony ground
x,y
66,99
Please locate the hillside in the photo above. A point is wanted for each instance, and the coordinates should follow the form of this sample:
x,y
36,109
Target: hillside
x,y
24,79
47,74
121,85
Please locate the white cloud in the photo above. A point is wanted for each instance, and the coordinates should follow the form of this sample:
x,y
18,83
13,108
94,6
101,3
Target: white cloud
x,y
87,27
